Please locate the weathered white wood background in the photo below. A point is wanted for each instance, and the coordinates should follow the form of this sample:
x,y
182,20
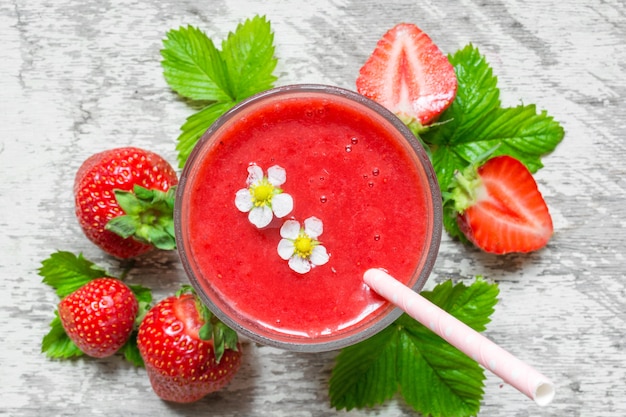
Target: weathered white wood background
x,y
77,77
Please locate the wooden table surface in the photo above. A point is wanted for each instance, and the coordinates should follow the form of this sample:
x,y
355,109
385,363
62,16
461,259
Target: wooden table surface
x,y
78,77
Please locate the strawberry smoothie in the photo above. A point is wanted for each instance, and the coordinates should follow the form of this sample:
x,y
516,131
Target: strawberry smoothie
x,y
350,189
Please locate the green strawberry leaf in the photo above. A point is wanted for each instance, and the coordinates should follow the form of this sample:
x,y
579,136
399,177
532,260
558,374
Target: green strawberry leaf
x,y
193,66
433,377
144,300
450,224
67,272
57,344
475,123
148,218
196,125
365,374
196,69
143,294
249,57
477,94
130,350
472,305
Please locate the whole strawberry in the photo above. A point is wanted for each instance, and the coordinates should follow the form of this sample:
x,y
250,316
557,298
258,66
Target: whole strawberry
x,y
187,352
499,207
97,313
99,316
409,75
124,201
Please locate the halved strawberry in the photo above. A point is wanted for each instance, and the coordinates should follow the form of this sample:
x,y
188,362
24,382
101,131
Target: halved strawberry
x,y
408,74
500,208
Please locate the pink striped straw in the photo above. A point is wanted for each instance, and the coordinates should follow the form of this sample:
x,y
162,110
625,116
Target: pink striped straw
x,y
491,356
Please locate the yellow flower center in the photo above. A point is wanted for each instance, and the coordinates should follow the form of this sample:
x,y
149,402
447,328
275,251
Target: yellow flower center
x,y
262,193
303,246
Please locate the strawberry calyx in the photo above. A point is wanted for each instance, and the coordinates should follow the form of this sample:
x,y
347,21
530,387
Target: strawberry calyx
x,y
466,189
211,327
148,218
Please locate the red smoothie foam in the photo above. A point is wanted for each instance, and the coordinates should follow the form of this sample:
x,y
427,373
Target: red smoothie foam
x,y
344,164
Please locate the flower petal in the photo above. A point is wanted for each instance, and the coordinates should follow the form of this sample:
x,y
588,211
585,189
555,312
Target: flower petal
x,y
313,227
243,200
255,174
286,248
282,204
300,265
290,229
260,216
319,256
276,175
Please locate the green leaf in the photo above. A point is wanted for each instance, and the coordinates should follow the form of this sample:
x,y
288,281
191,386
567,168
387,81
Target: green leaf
x,y
148,218
475,123
193,66
472,305
57,344
144,299
433,377
436,378
517,131
196,125
196,69
477,94
445,162
249,57
450,224
365,374
67,272
130,350
143,294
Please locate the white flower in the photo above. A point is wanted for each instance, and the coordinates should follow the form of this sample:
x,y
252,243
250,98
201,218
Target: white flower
x,y
263,198
300,246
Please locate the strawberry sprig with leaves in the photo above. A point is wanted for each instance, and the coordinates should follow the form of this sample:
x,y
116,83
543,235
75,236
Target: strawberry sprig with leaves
x,y
217,79
432,376
452,105
90,297
476,124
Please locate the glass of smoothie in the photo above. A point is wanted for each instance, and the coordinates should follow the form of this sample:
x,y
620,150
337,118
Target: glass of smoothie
x,y
289,198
